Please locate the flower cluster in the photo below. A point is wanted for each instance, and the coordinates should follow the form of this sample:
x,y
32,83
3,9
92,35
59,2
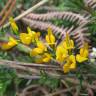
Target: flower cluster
x,y
46,50
64,53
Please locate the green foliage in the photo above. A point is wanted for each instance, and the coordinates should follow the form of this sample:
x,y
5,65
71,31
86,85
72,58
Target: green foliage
x,y
2,4
7,77
24,58
5,55
65,23
74,5
49,81
27,3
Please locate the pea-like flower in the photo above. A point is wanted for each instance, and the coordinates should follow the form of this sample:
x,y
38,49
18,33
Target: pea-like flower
x,y
68,43
40,49
61,53
25,38
31,36
36,51
13,25
11,43
45,58
34,35
50,38
83,55
70,64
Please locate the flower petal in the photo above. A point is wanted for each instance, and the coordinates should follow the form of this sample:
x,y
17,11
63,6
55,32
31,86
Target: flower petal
x,y
50,38
80,59
13,24
36,51
25,38
66,68
11,43
46,57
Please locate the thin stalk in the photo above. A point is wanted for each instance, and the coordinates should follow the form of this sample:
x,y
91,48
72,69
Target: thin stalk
x,y
26,12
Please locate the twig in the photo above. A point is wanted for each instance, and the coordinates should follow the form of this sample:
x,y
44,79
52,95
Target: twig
x,y
28,76
85,84
7,10
43,90
4,9
26,64
60,91
12,65
27,12
27,88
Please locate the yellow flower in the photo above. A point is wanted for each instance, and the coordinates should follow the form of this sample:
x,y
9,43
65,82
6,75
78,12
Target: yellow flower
x,y
13,24
34,36
40,49
30,32
68,43
45,58
70,64
25,38
41,45
50,38
61,53
11,43
31,36
38,60
83,56
36,51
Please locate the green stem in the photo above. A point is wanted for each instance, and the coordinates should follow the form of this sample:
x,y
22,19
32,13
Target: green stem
x,y
23,48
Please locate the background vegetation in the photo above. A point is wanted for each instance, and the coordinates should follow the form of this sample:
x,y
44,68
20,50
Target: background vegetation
x,y
78,18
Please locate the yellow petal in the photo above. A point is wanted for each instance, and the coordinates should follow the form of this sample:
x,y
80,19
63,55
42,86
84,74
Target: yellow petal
x,y
67,38
80,59
73,66
38,60
11,43
70,64
68,43
13,24
34,36
36,51
50,38
72,59
61,53
66,68
84,52
72,44
25,38
43,58
37,36
30,32
49,30
46,57
47,39
46,60
41,45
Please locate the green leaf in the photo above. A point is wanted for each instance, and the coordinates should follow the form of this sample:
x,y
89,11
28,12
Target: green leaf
x,y
49,81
